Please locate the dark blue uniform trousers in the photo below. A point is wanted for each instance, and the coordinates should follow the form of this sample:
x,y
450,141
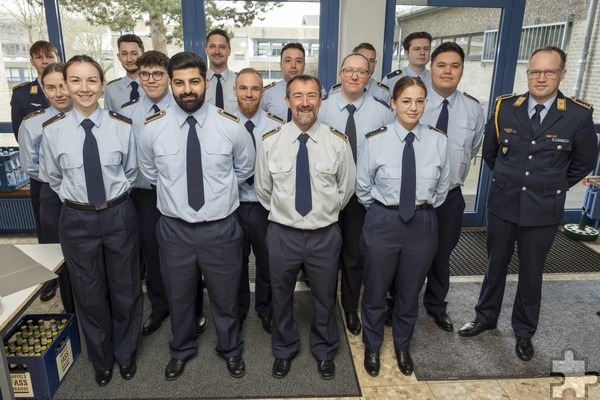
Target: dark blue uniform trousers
x,y
102,253
50,209
351,221
254,221
148,215
449,216
35,189
399,252
187,251
533,244
319,251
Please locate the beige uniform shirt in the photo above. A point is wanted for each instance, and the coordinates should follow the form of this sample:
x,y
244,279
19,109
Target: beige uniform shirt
x,y
332,175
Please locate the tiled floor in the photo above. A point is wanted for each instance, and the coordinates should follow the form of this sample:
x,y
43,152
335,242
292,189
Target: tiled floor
x,y
392,385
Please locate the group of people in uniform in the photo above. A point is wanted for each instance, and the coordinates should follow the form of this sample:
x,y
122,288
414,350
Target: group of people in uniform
x,y
189,168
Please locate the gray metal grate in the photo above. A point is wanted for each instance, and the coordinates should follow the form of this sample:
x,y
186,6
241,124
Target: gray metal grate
x,y
566,256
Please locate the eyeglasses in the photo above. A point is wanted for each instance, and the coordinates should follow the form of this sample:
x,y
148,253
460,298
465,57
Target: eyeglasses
x,y
548,73
348,72
157,75
406,102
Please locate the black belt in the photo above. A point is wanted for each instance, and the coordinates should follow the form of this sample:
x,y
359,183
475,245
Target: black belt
x,y
396,207
90,207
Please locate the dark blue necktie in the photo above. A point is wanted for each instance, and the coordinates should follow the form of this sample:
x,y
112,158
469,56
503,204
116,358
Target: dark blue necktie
x,y
351,129
535,118
219,93
250,128
303,195
134,94
195,179
91,166
442,122
408,186
155,108
289,117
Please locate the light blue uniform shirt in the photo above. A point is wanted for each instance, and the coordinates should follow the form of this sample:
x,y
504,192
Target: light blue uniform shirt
x,y
30,137
226,162
370,114
263,123
465,130
138,112
61,155
118,93
379,169
531,103
228,82
273,100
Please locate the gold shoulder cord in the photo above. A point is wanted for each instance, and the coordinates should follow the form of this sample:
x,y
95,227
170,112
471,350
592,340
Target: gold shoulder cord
x,y
496,119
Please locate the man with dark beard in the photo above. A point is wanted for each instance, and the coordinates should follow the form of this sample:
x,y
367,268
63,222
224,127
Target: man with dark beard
x,y
196,155
304,176
127,88
252,215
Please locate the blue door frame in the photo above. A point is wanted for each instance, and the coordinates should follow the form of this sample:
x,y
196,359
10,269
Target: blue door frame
x,y
511,21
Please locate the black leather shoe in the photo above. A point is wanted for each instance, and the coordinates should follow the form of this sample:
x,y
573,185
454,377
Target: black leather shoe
x,y
326,369
103,377
524,349
388,317
174,369
353,323
474,328
128,372
281,367
404,362
267,324
443,321
201,323
236,366
152,324
372,362
48,292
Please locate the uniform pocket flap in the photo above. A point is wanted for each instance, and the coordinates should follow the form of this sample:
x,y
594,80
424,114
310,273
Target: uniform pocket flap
x,y
279,167
67,162
499,180
218,148
555,189
325,167
166,149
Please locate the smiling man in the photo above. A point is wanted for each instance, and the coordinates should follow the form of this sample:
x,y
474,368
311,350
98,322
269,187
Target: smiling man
x,y
196,155
221,79
356,113
304,177
122,90
537,145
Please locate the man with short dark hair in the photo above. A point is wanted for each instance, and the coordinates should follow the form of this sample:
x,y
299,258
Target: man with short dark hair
x,y
356,113
221,79
122,90
537,145
252,215
417,47
196,155
304,195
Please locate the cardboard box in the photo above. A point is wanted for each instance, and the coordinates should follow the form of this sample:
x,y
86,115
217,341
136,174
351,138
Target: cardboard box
x,y
12,177
38,377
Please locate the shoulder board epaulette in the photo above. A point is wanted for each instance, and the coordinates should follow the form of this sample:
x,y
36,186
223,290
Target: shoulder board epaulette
x,y
120,117
384,87
114,80
130,102
581,102
519,101
506,96
53,119
270,85
271,133
382,102
437,130
20,85
338,134
275,118
228,115
336,86
325,97
33,114
154,117
394,73
376,132
471,97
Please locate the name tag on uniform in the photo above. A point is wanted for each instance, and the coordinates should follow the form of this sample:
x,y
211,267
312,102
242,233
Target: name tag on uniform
x,y
561,140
